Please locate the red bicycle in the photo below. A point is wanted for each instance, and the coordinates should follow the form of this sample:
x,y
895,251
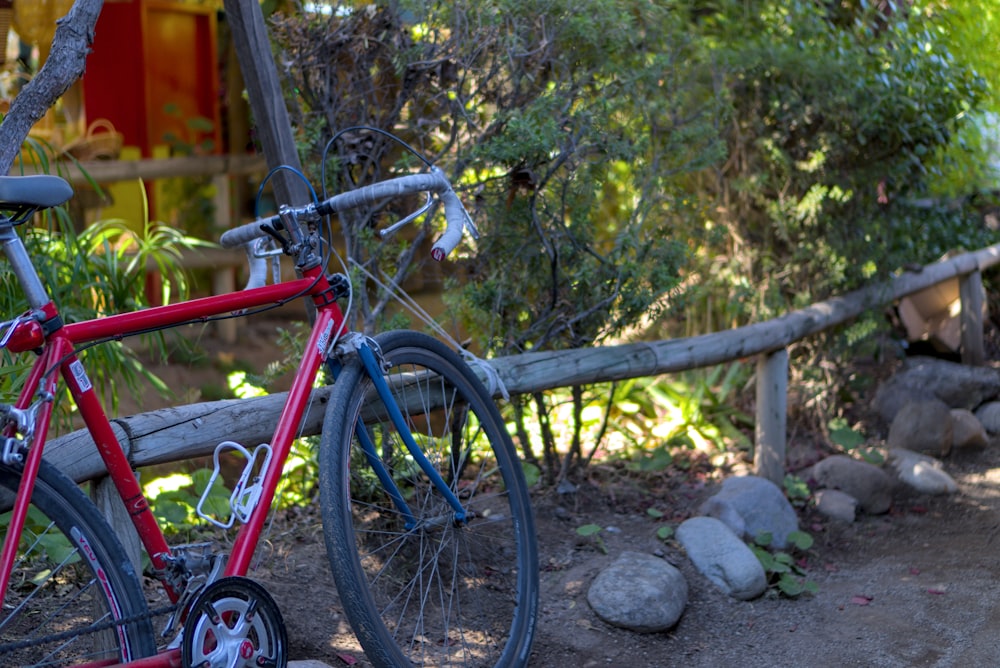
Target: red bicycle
x,y
426,515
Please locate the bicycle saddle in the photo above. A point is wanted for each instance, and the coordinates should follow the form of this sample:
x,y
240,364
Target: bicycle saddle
x,y
42,190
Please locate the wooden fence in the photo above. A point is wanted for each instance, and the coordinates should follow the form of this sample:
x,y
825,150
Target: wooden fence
x,y
188,431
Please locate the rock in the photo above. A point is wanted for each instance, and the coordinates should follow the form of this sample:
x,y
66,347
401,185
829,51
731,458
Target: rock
x,y
723,558
922,473
989,416
750,505
923,426
869,484
967,432
639,592
957,385
893,394
836,505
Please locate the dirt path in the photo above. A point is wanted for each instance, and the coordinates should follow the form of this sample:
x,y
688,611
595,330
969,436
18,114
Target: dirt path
x,y
915,587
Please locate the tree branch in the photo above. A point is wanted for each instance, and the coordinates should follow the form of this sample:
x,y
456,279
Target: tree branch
x,y
70,46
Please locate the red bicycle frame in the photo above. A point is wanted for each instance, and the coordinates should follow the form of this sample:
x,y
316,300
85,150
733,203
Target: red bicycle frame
x,y
58,352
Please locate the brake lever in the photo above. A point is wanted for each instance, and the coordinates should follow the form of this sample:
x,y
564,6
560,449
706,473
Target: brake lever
x,y
409,219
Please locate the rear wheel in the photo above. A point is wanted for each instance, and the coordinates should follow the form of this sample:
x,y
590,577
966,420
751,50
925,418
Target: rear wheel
x,y
71,577
419,585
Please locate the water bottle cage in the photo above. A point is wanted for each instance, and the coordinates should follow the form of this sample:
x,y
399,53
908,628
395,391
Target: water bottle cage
x,y
246,492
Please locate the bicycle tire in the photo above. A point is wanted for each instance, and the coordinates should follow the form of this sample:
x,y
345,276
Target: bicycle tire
x,y
441,593
71,572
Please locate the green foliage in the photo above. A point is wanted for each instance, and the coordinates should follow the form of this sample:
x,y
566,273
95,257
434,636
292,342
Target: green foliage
x,y
852,441
174,498
970,28
786,571
628,161
696,410
532,474
692,410
837,116
593,531
92,273
569,123
188,203
664,532
38,533
796,490
646,422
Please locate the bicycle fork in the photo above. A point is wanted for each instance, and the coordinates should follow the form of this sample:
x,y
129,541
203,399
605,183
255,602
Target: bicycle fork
x,y
374,370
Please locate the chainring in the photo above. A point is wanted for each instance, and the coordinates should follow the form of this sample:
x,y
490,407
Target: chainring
x,y
234,623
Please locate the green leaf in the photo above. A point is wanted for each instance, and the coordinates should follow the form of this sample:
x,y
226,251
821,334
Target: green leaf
x,y
765,559
58,548
532,474
843,435
589,530
790,586
665,532
801,540
764,539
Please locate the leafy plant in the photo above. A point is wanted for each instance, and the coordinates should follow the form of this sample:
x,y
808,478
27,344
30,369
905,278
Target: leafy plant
x,y
785,570
696,410
593,532
664,532
796,490
851,440
93,273
174,499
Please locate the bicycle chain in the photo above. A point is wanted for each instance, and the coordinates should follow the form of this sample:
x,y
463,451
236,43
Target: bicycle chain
x,y
93,628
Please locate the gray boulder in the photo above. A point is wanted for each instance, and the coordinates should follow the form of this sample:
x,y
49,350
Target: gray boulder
x,y
639,592
922,426
967,432
989,416
750,505
958,385
922,473
892,395
867,483
836,505
722,557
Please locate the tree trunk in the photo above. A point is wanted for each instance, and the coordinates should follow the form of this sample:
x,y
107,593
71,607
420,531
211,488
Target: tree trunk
x,y
70,46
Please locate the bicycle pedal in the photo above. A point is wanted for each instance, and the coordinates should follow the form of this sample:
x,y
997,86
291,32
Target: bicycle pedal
x,y
246,493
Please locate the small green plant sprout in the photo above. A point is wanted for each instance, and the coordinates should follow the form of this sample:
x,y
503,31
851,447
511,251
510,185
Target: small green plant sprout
x,y
664,532
532,473
796,490
851,441
593,531
786,574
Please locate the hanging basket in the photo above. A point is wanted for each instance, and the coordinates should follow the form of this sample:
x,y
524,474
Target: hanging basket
x,y
101,142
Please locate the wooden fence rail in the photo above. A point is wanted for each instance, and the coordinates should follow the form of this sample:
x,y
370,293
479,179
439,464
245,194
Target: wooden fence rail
x,y
194,430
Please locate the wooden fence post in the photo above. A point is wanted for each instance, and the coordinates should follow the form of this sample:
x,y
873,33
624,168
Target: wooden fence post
x,y
970,292
223,280
105,495
772,401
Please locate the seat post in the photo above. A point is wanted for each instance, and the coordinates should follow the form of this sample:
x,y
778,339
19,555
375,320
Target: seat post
x,y
20,261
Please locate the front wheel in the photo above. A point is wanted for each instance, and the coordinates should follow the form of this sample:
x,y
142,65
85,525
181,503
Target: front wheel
x,y
419,585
